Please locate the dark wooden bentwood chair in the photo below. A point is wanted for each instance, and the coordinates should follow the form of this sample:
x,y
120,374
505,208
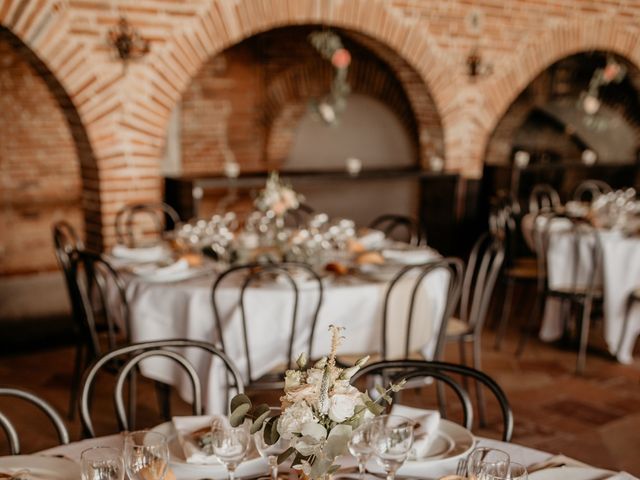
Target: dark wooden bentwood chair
x,y
162,216
11,432
99,318
130,358
592,189
443,373
584,237
256,272
544,198
481,273
400,227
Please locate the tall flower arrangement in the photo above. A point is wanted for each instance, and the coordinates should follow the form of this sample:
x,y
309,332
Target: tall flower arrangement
x,y
320,408
277,196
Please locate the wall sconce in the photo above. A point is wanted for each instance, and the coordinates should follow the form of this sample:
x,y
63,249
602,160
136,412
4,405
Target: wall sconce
x,y
127,41
475,66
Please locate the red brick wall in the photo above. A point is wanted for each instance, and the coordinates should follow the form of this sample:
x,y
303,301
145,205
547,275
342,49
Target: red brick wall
x,y
122,115
39,168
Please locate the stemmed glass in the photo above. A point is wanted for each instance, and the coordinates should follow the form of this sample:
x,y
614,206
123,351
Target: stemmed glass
x,y
146,455
230,445
360,446
391,439
271,452
480,457
494,471
102,463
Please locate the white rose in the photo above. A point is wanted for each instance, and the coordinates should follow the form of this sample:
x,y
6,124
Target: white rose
x,y
314,376
343,387
341,407
292,379
293,418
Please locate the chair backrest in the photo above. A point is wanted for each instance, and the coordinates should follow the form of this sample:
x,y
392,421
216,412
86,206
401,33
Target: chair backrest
x,y
98,298
66,241
130,357
396,370
544,198
9,429
592,188
391,224
481,273
158,213
452,266
584,238
254,272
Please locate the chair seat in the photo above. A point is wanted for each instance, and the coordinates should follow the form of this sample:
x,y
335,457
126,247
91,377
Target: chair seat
x,y
457,328
575,293
526,268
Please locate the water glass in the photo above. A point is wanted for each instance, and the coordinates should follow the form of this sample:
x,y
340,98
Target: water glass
x,y
481,456
493,471
391,439
360,446
230,445
146,455
271,452
102,463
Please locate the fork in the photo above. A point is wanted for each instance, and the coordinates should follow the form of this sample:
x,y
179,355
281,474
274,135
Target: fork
x,y
461,469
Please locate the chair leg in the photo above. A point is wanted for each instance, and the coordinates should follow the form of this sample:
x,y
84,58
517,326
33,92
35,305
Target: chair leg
x,y
482,413
441,399
163,394
506,313
133,389
625,325
462,345
584,336
75,381
533,316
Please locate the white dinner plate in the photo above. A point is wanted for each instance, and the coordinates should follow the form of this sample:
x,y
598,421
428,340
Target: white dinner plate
x,y
453,442
188,471
41,467
569,473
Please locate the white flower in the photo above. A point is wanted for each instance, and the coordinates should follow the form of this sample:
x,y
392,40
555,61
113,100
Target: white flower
x,y
293,418
314,376
305,392
312,439
342,407
292,379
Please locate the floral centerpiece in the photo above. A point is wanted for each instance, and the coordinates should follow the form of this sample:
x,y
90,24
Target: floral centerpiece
x,y
319,410
277,196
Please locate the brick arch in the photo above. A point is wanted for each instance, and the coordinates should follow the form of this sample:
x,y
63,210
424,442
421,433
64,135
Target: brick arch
x,y
543,51
227,23
288,96
28,28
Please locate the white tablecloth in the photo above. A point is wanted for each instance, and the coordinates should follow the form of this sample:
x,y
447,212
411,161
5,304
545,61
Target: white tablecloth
x,y
620,276
518,453
183,310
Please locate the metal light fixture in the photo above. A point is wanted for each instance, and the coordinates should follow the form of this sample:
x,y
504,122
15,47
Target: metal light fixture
x,y
127,41
475,66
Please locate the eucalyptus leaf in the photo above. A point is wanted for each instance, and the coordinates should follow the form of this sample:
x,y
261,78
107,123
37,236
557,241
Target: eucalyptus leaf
x,y
271,434
286,454
260,414
237,416
380,390
333,469
238,400
375,408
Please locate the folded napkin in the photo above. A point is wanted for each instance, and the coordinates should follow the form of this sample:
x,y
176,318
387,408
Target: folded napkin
x,y
425,432
181,265
409,257
187,429
371,239
622,476
21,474
142,254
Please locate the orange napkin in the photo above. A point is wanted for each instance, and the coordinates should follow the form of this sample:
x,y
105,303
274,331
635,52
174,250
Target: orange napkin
x,y
151,474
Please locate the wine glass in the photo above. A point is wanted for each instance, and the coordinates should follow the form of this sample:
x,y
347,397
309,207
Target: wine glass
x,y
391,439
102,463
146,455
481,456
360,446
496,471
271,452
230,445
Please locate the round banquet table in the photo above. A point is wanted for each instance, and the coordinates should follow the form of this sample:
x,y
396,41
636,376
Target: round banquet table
x,y
182,309
620,276
520,454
